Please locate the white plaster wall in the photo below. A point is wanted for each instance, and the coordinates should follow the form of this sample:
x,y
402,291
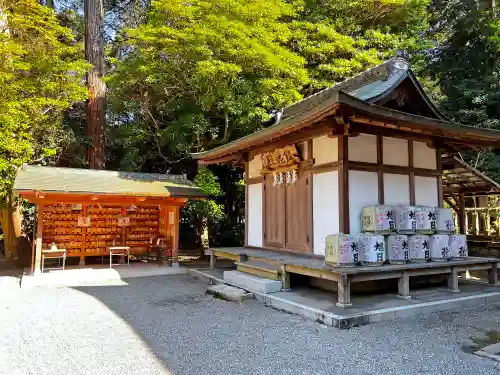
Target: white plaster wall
x,y
395,151
325,150
325,208
254,206
254,167
396,188
426,191
363,191
423,156
363,148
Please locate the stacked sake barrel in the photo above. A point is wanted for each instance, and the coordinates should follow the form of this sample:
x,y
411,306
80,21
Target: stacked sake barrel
x,y
397,235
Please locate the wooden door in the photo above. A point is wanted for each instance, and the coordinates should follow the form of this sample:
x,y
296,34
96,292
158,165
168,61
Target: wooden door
x,y
298,215
274,213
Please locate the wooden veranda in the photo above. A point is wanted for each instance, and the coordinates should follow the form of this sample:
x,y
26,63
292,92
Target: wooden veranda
x,y
87,212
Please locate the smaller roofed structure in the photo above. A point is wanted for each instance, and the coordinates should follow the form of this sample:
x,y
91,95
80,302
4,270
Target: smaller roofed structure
x,y
461,178
92,213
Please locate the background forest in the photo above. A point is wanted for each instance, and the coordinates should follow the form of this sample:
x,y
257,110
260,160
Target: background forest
x,y
137,85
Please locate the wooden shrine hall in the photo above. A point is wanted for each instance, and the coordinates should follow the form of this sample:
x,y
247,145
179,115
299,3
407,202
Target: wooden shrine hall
x,y
374,139
88,212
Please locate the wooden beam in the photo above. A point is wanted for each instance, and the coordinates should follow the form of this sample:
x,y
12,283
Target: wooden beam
x,y
396,169
326,167
118,200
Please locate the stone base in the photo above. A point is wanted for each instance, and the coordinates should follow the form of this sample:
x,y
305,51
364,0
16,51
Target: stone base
x,y
252,283
229,293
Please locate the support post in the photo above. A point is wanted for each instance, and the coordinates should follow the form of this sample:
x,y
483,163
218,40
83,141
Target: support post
x,y
39,241
175,241
404,286
461,213
285,278
344,291
213,259
453,280
493,274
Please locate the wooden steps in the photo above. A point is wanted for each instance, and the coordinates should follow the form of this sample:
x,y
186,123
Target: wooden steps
x,y
260,268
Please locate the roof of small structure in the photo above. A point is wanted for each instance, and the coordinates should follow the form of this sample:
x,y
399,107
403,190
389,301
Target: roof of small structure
x,y
460,177
365,93
102,182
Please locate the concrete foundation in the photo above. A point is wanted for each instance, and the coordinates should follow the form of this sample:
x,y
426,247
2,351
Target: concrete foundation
x,y
229,293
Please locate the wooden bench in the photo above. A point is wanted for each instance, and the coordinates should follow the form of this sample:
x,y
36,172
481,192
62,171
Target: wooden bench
x,y
345,276
54,254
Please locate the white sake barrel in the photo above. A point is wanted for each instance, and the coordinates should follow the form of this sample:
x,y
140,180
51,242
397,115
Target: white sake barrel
x,y
405,219
458,247
372,249
439,247
342,250
397,249
444,220
426,219
419,248
377,219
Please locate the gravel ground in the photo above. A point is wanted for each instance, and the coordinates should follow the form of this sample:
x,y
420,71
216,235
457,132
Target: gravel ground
x,y
168,325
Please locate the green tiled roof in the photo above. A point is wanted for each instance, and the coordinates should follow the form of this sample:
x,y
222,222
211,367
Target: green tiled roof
x,y
90,181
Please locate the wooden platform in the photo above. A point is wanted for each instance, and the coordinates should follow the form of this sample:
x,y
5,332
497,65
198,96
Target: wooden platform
x,y
246,259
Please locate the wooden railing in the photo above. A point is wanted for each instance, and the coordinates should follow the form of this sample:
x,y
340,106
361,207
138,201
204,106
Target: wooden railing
x,y
482,221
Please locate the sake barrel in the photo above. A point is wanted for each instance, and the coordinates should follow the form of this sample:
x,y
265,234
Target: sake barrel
x,y
372,249
397,249
419,248
439,247
342,250
405,219
458,246
426,219
377,219
444,220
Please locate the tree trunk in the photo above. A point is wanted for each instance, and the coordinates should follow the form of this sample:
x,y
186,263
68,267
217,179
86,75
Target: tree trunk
x,y
95,127
10,222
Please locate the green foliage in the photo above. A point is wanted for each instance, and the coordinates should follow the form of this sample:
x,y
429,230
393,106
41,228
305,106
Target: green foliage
x,y
205,214
465,65
198,75
39,78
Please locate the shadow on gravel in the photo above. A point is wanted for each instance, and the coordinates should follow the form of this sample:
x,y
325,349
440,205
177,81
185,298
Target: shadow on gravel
x,y
167,313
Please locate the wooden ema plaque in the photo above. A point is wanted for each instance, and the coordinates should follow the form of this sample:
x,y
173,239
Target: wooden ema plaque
x,y
123,221
84,221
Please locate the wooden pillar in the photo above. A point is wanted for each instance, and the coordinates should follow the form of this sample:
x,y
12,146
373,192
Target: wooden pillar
x,y
453,280
439,162
344,291
461,212
285,278
493,274
412,174
343,184
404,286
175,239
39,241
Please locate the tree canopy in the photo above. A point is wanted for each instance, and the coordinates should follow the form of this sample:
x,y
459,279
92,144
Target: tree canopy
x,y
188,76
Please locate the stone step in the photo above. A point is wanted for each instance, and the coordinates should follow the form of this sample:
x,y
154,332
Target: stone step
x,y
229,292
252,283
262,269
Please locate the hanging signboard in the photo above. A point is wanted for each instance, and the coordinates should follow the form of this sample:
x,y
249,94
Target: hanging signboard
x,y
84,221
